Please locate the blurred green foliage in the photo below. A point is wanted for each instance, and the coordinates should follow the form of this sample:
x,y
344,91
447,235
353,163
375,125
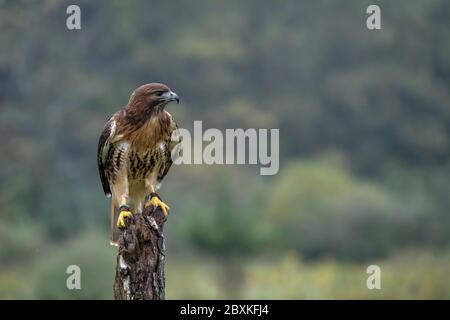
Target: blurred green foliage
x,y
364,120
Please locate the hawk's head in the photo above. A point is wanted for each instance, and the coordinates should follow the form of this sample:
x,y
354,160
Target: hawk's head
x,y
153,96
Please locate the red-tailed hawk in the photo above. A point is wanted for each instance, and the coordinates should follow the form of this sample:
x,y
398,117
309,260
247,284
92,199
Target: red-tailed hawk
x,y
134,153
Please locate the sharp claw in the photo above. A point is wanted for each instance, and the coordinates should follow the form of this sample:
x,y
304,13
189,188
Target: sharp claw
x,y
165,208
122,217
155,201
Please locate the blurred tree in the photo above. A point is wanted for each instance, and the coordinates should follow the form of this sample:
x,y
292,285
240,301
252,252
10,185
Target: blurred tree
x,y
232,232
327,212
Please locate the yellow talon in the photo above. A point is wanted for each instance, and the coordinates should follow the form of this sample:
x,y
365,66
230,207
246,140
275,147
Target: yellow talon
x,y
154,201
122,216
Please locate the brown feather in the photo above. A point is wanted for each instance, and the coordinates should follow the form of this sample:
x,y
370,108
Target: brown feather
x,y
130,157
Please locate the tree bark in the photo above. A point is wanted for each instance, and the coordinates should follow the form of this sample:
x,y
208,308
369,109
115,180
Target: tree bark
x,y
140,259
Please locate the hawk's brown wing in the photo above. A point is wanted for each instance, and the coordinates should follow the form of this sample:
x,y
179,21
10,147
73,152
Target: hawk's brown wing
x,y
171,150
104,144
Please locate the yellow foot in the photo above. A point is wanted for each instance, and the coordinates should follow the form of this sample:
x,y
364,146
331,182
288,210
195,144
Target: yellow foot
x,y
155,201
122,216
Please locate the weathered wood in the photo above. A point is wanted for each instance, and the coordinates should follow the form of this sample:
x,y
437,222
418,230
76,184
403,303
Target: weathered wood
x,y
140,259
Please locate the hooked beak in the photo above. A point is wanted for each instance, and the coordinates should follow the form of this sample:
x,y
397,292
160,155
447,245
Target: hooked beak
x,y
172,96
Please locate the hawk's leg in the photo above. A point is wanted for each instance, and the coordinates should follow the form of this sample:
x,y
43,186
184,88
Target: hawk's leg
x,y
120,188
154,200
124,214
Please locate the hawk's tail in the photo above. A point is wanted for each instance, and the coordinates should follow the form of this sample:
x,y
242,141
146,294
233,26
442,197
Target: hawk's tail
x,y
114,230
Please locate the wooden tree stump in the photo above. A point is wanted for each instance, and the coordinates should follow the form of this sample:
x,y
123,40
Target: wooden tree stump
x,y
140,259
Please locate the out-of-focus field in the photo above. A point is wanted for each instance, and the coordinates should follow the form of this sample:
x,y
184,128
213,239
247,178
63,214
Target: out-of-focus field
x,y
410,275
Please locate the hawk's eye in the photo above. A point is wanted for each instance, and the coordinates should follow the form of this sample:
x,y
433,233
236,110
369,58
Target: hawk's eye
x,y
159,93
